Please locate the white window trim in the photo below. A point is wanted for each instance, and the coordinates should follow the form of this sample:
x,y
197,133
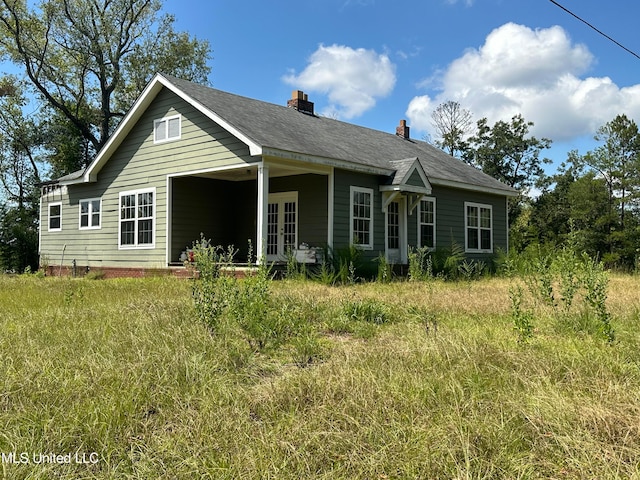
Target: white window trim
x,y
166,123
466,228
89,227
53,204
137,246
352,190
435,240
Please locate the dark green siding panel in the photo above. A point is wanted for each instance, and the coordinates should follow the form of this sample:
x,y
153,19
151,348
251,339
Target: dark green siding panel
x,y
415,180
343,180
450,216
312,203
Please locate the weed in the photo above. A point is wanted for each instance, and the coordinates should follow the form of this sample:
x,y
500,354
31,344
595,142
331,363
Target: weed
x,y
420,264
522,320
385,269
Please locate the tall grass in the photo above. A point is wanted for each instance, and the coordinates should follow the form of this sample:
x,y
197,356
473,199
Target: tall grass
x,y
124,368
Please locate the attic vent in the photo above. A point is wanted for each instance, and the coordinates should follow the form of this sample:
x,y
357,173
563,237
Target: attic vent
x,y
402,130
300,101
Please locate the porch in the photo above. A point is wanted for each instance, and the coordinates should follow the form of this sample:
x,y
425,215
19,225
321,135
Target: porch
x,y
268,208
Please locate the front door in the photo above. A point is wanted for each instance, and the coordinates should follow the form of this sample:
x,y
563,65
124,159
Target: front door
x,y
282,225
396,243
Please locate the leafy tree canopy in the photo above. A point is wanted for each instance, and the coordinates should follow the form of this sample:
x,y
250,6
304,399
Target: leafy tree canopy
x,y
89,59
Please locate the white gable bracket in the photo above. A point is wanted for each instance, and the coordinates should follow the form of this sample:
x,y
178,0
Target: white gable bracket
x,y
388,198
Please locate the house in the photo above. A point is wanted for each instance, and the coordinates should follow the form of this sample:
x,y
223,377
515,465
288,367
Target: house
x,y
189,159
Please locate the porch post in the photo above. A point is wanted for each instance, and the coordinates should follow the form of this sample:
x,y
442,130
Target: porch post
x,y
263,202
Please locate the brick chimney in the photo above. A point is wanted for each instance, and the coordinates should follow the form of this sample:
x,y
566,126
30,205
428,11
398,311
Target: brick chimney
x,y
300,101
402,130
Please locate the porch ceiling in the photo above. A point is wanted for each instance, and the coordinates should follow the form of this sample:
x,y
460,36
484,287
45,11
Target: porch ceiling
x,y
250,173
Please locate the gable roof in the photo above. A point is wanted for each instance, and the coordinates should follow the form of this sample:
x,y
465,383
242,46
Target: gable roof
x,y
274,130
404,169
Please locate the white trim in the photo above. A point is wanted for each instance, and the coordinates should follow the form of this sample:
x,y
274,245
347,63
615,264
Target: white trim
x,y
262,212
479,228
135,245
40,229
387,198
49,205
330,206
135,113
203,171
330,162
169,220
506,216
166,137
283,197
419,223
352,190
473,188
90,214
405,188
402,230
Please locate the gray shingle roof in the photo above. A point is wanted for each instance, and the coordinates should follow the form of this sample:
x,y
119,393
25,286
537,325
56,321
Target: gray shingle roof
x,y
282,128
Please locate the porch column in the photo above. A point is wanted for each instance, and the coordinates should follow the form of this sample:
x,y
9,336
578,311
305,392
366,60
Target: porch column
x,y
263,203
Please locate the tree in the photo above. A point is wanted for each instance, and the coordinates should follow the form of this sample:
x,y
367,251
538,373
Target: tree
x,y
21,165
452,124
505,152
88,59
617,162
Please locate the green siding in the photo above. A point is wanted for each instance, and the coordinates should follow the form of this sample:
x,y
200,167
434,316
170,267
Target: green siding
x,y
312,203
450,216
343,180
139,163
415,180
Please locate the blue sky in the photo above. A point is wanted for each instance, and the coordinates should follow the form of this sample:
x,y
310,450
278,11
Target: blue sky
x,y
374,62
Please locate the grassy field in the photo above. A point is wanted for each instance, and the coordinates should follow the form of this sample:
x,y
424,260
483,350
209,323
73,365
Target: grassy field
x,y
120,376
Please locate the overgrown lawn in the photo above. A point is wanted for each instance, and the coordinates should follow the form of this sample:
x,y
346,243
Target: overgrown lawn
x,y
400,380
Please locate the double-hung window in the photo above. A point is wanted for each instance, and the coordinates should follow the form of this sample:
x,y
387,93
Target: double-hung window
x,y
361,217
427,223
167,129
479,227
90,213
55,217
137,219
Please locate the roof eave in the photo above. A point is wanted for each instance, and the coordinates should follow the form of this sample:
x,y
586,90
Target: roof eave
x,y
330,162
507,192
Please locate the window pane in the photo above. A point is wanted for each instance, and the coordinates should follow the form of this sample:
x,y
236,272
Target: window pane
x,y
472,216
127,207
485,239
127,233
485,218
174,128
393,225
145,232
426,236
84,220
145,205
84,207
472,238
160,130
95,219
54,223
54,210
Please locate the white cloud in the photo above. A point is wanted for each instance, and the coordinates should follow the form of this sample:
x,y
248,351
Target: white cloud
x,y
538,73
353,79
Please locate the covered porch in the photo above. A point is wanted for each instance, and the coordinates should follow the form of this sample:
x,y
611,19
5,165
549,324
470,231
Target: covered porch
x,y
271,207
